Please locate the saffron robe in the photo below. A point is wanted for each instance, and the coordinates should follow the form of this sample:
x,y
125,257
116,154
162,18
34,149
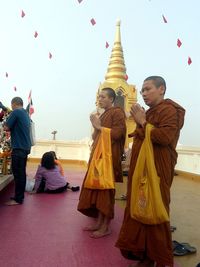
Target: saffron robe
x,y
154,241
92,201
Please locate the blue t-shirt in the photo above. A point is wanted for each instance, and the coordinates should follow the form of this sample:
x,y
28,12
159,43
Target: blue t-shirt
x,y
19,124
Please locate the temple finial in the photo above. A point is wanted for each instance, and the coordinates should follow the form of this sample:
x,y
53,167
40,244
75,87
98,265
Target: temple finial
x,y
116,68
118,33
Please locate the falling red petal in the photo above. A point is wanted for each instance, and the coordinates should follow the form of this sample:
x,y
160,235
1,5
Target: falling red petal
x,y
50,55
23,14
35,34
179,43
93,22
189,60
164,19
107,44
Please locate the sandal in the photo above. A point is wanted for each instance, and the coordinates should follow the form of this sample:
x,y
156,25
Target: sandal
x,y
75,188
123,197
182,249
172,228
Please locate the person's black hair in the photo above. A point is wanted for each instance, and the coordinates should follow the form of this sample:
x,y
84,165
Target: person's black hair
x,y
47,161
54,154
17,100
157,80
110,92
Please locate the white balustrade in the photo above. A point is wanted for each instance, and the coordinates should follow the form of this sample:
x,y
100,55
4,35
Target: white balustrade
x,y
67,150
188,157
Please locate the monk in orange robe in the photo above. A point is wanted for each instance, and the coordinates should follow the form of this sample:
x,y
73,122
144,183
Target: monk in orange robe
x,y
150,244
98,203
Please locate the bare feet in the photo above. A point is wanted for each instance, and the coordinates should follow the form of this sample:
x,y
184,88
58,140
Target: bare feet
x,y
91,228
12,202
100,233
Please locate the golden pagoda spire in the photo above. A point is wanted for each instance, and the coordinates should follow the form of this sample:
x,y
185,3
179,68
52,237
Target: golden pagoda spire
x,y
116,78
116,68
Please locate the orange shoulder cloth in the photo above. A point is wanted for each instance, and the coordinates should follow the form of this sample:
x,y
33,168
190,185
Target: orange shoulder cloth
x,y
100,171
146,201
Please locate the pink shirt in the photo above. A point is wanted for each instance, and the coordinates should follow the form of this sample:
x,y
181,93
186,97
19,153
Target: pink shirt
x,y
54,179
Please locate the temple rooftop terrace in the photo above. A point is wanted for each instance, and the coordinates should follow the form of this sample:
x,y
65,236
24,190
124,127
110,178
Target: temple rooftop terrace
x,y
30,217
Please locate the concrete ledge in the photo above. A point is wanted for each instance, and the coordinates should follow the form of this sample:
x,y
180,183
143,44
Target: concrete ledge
x,y
189,175
5,180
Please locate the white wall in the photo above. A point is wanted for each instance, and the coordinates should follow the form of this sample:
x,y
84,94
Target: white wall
x,y
188,157
72,150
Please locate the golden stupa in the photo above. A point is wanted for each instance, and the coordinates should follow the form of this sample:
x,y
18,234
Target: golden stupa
x,y
116,78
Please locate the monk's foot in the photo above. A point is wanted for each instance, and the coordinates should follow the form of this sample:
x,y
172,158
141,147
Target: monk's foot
x,y
148,263
100,233
138,264
91,228
12,202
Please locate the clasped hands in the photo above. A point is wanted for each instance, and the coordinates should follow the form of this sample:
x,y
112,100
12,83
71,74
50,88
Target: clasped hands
x,y
96,123
138,113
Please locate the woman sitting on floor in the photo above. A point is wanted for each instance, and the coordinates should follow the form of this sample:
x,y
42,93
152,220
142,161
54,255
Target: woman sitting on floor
x,y
48,177
58,163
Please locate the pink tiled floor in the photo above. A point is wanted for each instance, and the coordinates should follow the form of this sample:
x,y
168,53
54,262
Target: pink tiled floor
x,y
46,232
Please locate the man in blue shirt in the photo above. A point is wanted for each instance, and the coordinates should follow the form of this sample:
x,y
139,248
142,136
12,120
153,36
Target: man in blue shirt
x,y
18,123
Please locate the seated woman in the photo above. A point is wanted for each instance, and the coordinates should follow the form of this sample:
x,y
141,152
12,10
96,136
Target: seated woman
x,y
48,177
58,163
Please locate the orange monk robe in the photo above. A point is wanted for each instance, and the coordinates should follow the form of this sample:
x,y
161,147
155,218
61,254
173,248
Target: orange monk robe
x,y
136,238
92,201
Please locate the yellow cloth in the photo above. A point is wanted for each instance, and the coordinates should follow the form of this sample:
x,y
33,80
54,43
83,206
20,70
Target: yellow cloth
x,y
100,172
146,200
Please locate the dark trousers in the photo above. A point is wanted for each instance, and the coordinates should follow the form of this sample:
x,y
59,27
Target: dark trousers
x,y
19,159
55,191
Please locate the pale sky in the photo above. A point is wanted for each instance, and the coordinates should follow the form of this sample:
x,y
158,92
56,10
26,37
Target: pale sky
x,y
64,87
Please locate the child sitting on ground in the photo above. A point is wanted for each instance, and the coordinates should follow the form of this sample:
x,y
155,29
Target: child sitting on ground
x,y
48,177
